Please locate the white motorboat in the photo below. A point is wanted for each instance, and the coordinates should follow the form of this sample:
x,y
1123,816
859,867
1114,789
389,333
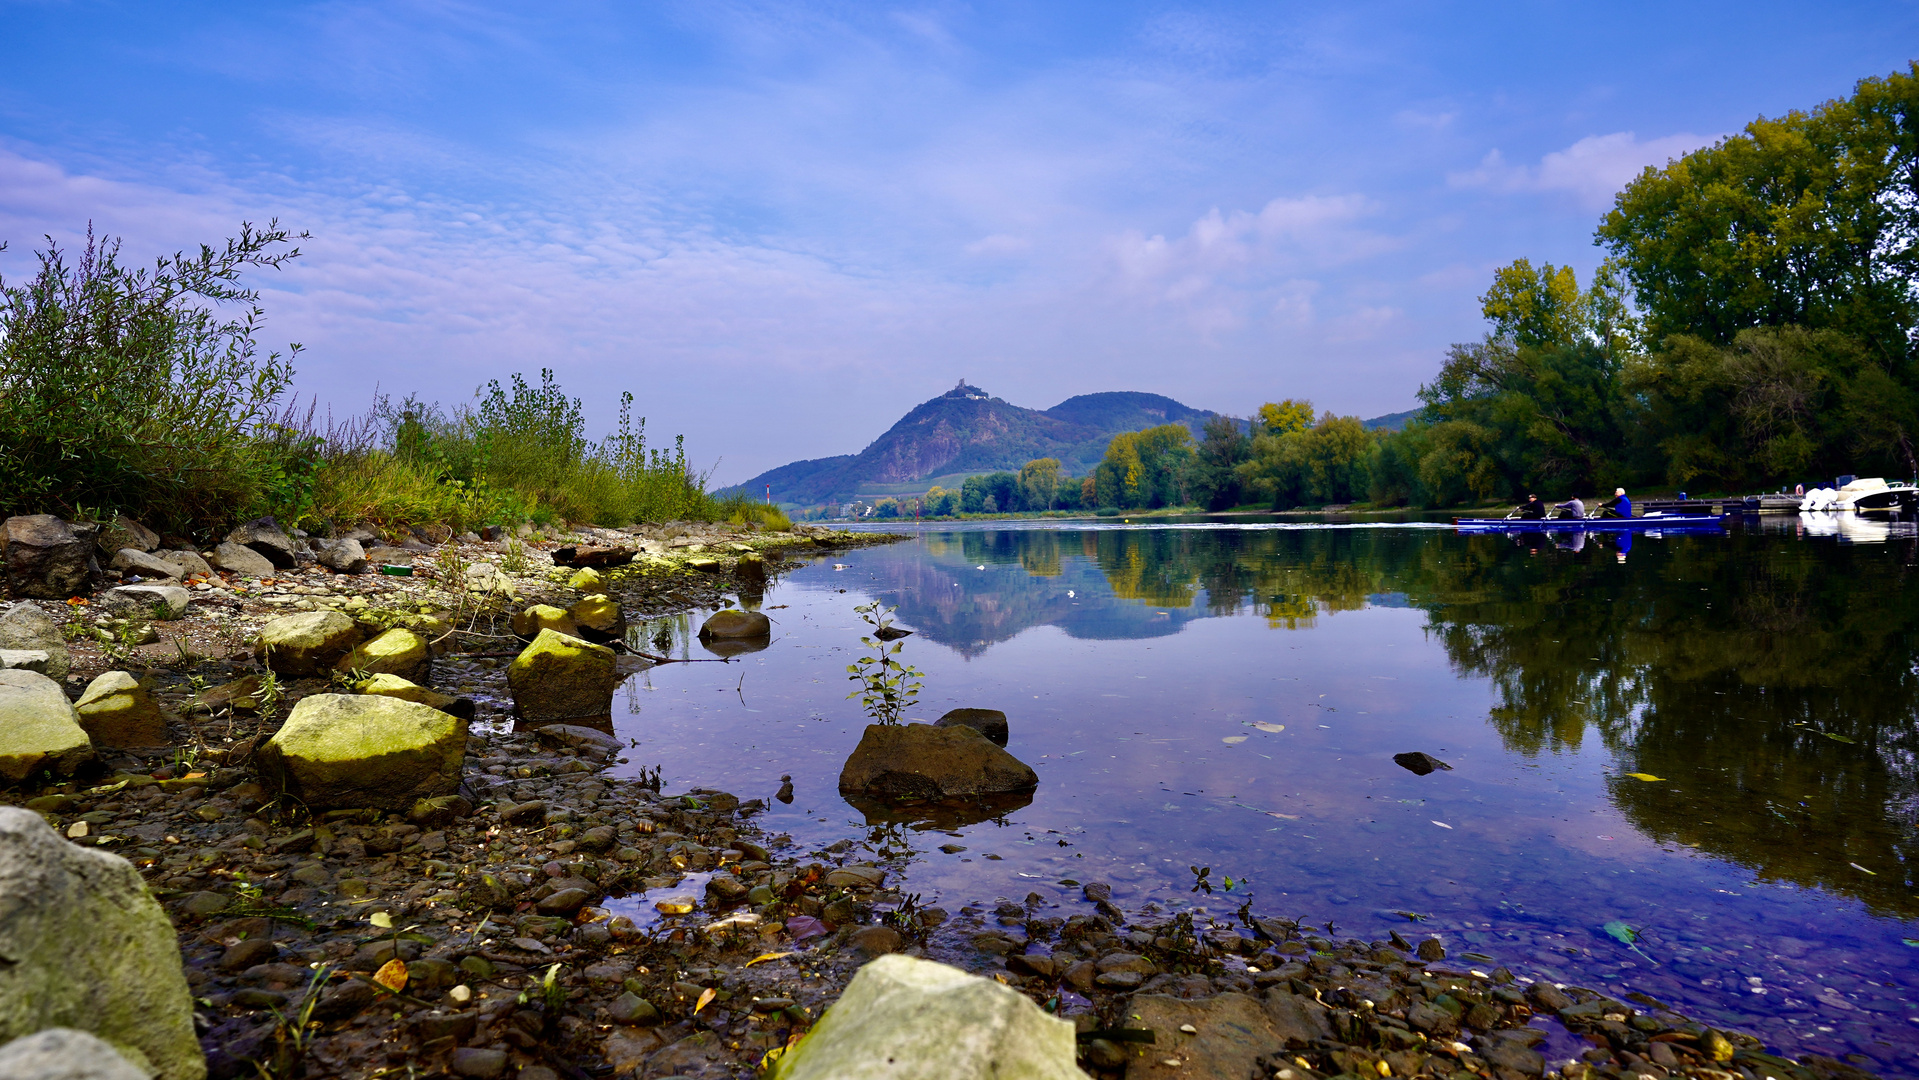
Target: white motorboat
x,y
1862,494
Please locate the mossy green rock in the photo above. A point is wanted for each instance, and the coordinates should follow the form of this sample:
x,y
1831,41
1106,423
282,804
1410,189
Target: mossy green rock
x,y
38,729
530,622
117,711
736,624
561,678
588,580
902,1016
394,686
88,948
598,618
391,652
307,644
343,750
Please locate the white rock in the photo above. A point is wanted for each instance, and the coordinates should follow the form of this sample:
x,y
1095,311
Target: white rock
x,y
905,1017
243,561
26,659
133,560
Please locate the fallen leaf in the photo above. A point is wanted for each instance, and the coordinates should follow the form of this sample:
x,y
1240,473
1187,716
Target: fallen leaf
x,y
1910,941
1646,776
1442,825
381,919
77,830
1234,740
1272,728
706,998
392,975
764,957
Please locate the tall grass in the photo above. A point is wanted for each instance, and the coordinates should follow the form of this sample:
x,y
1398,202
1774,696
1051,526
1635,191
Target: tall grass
x,y
132,391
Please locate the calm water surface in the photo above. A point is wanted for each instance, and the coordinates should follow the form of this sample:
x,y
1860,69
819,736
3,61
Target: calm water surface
x,y
1709,739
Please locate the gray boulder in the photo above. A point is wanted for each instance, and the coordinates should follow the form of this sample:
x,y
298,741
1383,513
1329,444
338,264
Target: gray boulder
x,y
38,730
46,558
242,560
124,532
189,562
65,1054
924,761
735,624
135,561
343,556
988,722
90,949
164,602
28,628
346,750
265,537
307,644
906,1017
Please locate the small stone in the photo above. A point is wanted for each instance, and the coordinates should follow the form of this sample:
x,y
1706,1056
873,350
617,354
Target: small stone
x,y
736,624
162,602
726,889
115,710
135,561
201,905
877,940
988,722
587,580
478,1063
248,953
598,618
1431,950
631,1008
563,902
530,622
1420,763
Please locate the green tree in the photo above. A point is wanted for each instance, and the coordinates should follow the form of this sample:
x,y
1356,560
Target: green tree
x,y
1285,417
1811,219
1039,483
1145,469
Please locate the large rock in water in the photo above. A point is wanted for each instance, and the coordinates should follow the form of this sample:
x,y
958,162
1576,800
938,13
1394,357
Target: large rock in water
x,y
902,1017
343,750
922,761
307,644
38,729
116,710
265,537
391,652
46,558
988,722
735,624
65,1054
562,679
89,948
28,628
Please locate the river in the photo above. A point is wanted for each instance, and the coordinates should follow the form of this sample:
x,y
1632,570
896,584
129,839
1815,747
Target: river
x,y
1684,768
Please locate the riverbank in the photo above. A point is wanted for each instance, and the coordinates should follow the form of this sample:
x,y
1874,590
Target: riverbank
x,y
539,861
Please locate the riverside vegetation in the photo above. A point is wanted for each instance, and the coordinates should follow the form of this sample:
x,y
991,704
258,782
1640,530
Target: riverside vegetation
x,y
144,391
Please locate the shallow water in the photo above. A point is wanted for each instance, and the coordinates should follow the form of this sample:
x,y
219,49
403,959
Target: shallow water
x,y
1762,683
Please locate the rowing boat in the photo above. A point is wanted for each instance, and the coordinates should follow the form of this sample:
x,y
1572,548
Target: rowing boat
x,y
1650,523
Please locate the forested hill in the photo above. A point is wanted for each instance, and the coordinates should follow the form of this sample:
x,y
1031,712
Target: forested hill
x,y
967,430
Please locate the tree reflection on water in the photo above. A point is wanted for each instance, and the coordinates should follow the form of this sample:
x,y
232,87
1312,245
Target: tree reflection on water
x,y
1768,682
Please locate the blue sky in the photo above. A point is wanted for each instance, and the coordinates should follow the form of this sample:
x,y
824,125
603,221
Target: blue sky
x,y
783,225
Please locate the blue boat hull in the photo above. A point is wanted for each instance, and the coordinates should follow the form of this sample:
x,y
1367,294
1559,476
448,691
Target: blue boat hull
x,y
1674,523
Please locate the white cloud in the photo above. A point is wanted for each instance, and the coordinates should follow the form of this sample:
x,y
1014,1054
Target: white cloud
x,y
1591,170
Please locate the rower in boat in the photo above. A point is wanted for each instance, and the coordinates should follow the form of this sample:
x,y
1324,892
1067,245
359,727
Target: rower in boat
x,y
1619,506
1532,509
1574,508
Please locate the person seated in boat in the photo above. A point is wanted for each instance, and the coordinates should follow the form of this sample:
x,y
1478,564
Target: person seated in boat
x,y
1532,509
1574,508
1619,506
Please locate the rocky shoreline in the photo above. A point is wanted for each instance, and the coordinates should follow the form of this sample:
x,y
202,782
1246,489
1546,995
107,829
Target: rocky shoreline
x,y
550,919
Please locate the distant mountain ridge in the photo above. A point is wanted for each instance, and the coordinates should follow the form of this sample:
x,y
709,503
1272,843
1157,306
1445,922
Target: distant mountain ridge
x,y
967,430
